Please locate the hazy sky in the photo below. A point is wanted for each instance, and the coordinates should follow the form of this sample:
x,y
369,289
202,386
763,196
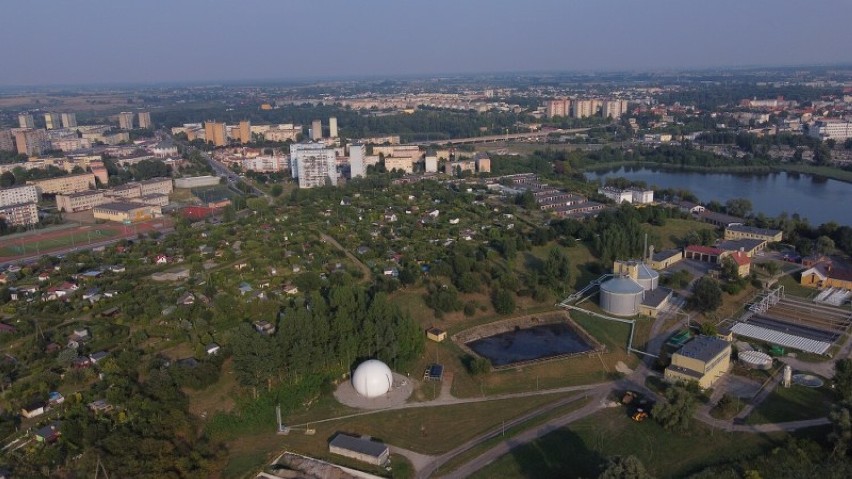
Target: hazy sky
x,y
104,41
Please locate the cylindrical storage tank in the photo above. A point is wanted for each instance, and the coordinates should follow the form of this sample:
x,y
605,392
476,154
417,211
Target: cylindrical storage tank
x,y
621,296
372,378
755,359
647,277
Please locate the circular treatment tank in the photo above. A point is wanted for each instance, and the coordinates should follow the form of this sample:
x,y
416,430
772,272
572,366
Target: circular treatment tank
x,y
372,378
621,296
647,277
755,359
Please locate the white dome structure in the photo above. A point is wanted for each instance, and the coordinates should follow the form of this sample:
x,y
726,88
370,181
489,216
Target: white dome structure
x,y
372,378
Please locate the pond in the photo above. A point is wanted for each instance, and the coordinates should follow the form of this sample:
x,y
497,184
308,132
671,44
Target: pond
x,y
538,342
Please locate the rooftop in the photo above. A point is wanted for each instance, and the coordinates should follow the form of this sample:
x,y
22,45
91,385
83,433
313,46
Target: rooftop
x,y
736,245
655,297
751,229
704,348
666,254
357,444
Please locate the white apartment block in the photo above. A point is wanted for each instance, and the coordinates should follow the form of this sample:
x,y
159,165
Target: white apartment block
x,y
158,186
614,108
265,164
431,163
558,108
19,194
20,214
831,130
584,108
617,195
65,184
356,161
405,164
313,164
69,120
641,197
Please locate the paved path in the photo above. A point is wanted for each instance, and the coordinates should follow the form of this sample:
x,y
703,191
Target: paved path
x,y
824,369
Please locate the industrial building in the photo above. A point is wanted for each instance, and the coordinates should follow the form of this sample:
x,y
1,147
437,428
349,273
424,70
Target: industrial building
x,y
633,290
360,449
704,360
372,378
664,259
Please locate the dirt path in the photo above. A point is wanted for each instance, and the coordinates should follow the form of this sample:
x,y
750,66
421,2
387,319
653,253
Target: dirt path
x,y
368,275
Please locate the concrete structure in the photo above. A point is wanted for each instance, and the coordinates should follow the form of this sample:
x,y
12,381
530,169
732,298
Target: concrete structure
x,y
18,194
705,359
7,141
265,164
372,378
65,184
558,108
196,181
69,120
357,169
616,194
584,108
740,231
215,133
332,127
483,163
243,132
431,163
125,120
25,120
613,109
316,130
125,212
639,272
639,196
401,164
360,449
19,215
31,142
831,129
313,164
436,334
52,121
82,201
144,119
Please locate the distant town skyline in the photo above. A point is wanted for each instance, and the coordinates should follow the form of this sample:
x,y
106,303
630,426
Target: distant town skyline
x,y
158,41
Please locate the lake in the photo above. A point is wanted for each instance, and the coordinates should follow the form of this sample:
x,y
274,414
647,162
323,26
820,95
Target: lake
x,y
525,344
818,199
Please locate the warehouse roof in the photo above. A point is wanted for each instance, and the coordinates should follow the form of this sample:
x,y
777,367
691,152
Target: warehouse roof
x,y
359,445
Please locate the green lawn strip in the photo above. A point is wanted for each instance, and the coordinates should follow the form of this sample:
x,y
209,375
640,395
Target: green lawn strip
x,y
579,449
795,403
792,287
613,334
480,448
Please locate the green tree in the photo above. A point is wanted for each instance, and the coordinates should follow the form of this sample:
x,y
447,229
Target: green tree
x,y
557,269
843,379
7,179
276,190
675,413
625,467
706,295
738,206
824,245
503,301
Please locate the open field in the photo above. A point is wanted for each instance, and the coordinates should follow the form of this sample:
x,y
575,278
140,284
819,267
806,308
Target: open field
x,y
792,404
580,449
792,287
55,239
674,229
429,430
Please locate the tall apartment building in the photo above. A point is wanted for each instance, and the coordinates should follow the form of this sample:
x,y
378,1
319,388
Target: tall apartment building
x,y
614,109
19,215
584,108
18,194
25,120
125,120
356,161
332,127
265,164
243,132
316,130
144,119
69,120
31,142
7,141
558,108
313,164
65,184
215,133
52,121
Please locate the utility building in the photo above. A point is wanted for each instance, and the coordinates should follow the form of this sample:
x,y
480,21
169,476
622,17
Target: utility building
x,y
704,360
360,449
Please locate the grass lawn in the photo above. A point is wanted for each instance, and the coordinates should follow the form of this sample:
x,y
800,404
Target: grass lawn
x,y
792,287
674,229
613,334
429,430
26,245
219,397
580,449
792,404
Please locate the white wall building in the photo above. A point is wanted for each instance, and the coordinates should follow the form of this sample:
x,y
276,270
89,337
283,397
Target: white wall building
x,y
313,164
18,195
831,130
356,161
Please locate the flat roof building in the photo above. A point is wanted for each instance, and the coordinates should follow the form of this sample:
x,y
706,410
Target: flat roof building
x,y
65,184
215,133
52,121
82,201
704,360
360,449
18,194
19,215
313,164
144,119
741,231
25,120
126,212
69,120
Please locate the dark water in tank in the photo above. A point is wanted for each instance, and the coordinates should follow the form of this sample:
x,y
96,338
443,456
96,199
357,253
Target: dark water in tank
x,y
529,343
